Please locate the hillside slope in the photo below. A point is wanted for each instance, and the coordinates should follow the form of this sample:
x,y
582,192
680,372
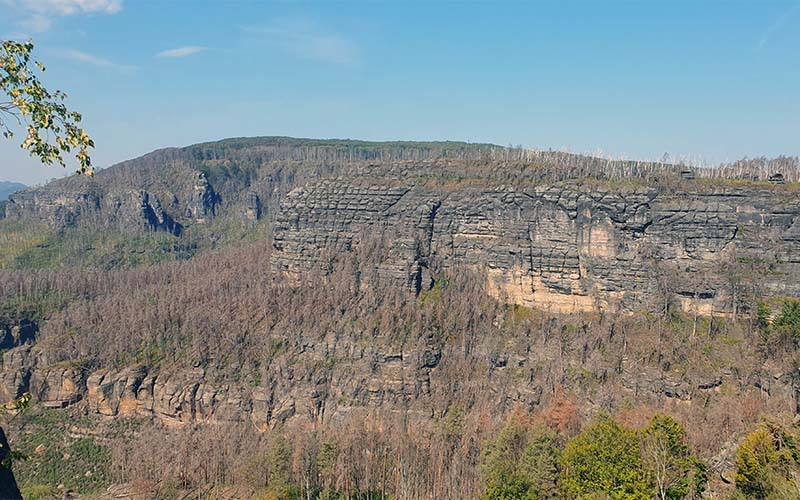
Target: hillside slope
x,y
406,295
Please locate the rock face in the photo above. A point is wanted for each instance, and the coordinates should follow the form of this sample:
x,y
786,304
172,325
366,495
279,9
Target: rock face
x,y
563,247
125,210
25,369
123,204
22,332
418,379
18,364
176,399
58,208
191,396
203,200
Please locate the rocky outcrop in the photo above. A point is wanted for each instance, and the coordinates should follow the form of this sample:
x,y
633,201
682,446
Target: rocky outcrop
x,y
140,210
18,365
325,379
18,359
58,386
58,208
202,201
25,369
564,247
175,398
252,207
17,333
132,210
333,378
246,178
166,204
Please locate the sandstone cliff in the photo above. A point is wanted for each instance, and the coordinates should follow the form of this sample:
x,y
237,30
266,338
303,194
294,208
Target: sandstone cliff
x,y
562,246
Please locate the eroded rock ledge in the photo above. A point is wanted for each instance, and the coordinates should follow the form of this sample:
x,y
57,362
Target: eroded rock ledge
x,y
562,247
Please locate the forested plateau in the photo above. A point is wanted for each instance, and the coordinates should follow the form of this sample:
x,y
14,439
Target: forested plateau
x,y
294,318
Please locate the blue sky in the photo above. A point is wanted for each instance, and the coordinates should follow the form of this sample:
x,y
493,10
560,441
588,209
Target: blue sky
x,y
707,80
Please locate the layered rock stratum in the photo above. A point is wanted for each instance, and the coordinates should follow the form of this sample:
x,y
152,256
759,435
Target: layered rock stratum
x,y
563,246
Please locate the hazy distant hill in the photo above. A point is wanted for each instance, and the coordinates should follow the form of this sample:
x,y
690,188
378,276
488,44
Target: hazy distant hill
x,y
7,187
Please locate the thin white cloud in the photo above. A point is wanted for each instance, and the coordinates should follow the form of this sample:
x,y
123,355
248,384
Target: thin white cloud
x,y
70,7
777,25
83,57
39,15
37,23
305,39
181,51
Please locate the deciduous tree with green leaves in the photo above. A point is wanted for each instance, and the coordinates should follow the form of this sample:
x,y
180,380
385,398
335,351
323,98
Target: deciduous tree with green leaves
x,y
678,474
521,463
768,464
604,459
52,130
788,321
